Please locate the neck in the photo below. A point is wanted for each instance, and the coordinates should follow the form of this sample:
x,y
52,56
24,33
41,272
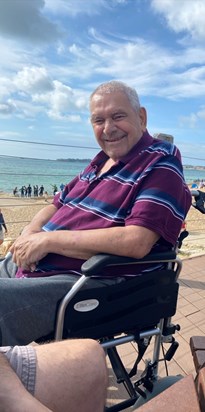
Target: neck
x,y
107,165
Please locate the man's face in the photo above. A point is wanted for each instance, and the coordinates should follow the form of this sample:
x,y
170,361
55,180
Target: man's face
x,y
117,126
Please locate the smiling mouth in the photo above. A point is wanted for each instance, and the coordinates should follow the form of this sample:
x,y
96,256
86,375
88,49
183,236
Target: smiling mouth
x,y
117,139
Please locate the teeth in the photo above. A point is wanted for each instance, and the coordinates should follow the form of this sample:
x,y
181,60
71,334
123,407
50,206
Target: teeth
x,y
115,140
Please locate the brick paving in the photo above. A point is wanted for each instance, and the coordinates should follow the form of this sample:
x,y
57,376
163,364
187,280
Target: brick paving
x,y
190,315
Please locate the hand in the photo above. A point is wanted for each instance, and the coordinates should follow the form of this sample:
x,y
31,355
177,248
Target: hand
x,y
27,250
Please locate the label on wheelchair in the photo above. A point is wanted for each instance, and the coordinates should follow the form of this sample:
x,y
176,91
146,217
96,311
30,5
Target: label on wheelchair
x,y
86,305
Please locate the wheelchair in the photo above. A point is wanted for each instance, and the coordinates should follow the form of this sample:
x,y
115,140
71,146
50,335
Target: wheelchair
x,y
135,310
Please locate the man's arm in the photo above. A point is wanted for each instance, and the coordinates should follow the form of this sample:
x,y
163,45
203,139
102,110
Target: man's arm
x,y
42,217
132,241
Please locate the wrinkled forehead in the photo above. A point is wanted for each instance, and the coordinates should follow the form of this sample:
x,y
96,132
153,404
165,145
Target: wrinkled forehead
x,y
109,101
107,94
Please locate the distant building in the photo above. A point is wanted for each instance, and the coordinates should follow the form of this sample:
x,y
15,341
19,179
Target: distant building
x,y
164,136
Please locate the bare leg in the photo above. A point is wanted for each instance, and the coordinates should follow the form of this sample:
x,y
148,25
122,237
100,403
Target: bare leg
x,y
13,396
71,375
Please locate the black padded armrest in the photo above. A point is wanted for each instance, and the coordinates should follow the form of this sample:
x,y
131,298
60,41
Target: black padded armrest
x,y
100,261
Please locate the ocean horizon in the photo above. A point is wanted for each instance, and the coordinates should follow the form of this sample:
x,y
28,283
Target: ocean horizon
x,y
21,171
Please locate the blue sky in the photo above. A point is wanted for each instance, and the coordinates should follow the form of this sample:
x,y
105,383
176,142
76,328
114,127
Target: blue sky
x,y
55,52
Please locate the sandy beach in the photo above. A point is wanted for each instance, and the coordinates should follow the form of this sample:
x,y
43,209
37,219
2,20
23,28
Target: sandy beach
x,y
19,211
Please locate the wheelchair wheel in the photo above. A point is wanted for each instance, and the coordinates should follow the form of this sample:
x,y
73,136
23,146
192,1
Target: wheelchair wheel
x,y
159,386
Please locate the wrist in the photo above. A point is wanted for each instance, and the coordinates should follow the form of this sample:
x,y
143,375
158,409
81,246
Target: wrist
x,y
46,243
29,229
53,242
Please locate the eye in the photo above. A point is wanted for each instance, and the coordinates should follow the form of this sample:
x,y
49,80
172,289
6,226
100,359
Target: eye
x,y
118,116
98,121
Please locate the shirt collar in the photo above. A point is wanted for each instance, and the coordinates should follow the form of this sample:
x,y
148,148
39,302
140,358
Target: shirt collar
x,y
145,141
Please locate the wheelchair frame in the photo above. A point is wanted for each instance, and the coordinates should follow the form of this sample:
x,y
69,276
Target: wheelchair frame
x,y
158,290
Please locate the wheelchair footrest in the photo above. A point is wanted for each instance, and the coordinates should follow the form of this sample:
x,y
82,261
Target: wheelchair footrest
x,y
146,379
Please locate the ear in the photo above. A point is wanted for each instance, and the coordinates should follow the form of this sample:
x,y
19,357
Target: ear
x,y
143,118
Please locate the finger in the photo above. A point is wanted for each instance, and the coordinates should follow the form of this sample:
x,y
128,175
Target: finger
x,y
32,267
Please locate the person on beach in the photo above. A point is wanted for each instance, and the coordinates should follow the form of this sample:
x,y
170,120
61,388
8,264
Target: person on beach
x,y
131,199
41,190
201,184
29,190
15,191
46,196
22,191
61,376
2,225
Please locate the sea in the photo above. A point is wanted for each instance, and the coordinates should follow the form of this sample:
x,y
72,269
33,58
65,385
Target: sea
x,y
19,171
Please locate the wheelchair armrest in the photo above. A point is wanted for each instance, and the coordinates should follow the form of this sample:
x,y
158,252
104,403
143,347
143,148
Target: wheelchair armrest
x,y
101,260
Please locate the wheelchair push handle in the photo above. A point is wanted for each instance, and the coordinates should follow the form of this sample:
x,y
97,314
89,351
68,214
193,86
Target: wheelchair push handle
x,y
199,198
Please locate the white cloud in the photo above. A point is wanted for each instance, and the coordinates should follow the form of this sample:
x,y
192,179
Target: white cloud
x,y
6,87
33,80
183,15
151,68
56,115
188,121
7,108
30,75
62,102
193,119
25,20
9,133
26,109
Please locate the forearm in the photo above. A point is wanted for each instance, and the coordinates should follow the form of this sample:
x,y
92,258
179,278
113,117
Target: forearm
x,y
132,241
129,241
42,217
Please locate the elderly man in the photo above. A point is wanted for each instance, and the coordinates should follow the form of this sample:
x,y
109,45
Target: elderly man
x,y
131,199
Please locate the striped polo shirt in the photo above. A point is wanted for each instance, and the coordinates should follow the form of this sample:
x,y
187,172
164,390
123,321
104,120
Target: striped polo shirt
x,y
145,188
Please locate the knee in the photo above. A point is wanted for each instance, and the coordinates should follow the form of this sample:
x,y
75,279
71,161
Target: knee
x,y
93,361
96,361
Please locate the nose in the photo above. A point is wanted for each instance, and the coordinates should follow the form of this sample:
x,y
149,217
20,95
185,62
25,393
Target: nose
x,y
109,126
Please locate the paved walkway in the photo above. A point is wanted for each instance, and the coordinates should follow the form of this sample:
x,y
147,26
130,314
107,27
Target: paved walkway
x,y
190,316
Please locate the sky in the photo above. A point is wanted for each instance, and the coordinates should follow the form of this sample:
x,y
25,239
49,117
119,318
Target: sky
x,y
54,53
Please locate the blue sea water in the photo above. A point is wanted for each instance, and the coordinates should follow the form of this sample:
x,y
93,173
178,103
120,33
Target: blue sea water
x,y
16,171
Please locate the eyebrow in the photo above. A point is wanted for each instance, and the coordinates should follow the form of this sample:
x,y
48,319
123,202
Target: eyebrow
x,y
99,116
